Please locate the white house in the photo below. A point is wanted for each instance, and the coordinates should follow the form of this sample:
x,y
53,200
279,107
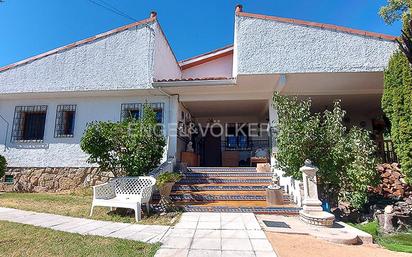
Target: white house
x,y
47,100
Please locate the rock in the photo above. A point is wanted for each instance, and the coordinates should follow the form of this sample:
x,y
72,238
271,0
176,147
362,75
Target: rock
x,y
55,179
388,209
386,222
392,184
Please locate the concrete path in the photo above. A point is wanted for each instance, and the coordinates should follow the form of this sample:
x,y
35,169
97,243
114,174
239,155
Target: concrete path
x,y
144,233
197,234
340,233
200,234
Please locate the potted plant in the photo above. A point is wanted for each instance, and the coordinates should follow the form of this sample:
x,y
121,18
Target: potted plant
x,y
165,182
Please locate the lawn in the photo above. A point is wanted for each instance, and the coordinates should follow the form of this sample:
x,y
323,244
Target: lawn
x,y
75,204
400,242
26,240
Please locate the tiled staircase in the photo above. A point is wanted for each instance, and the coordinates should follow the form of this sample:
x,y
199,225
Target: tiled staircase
x,y
227,190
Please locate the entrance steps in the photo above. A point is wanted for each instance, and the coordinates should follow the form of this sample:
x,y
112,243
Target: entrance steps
x,y
227,189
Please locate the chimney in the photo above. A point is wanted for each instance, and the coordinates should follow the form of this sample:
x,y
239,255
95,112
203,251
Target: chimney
x,y
153,14
239,8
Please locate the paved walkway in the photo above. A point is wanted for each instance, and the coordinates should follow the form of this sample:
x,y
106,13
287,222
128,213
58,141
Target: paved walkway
x,y
200,234
144,233
197,234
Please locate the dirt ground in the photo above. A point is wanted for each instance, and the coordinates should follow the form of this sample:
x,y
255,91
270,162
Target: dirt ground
x,y
287,245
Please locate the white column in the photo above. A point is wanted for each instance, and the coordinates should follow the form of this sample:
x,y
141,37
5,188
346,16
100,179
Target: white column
x,y
273,120
172,126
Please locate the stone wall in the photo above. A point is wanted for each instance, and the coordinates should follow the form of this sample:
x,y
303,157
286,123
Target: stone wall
x,y
53,179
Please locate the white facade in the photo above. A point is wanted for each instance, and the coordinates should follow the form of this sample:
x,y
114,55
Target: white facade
x,y
137,65
265,46
64,152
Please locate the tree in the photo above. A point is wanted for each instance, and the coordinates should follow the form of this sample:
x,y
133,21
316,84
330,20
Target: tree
x,y
132,147
3,166
394,10
397,94
397,105
345,158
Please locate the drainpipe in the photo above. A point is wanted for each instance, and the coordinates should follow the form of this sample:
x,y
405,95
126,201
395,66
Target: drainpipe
x,y
7,131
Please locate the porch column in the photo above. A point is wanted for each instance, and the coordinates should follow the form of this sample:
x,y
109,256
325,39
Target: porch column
x,y
172,126
273,120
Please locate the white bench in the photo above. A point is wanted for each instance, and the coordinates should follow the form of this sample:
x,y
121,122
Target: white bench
x,y
124,192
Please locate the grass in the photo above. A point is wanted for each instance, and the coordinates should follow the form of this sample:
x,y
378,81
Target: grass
x,y
26,240
400,242
75,204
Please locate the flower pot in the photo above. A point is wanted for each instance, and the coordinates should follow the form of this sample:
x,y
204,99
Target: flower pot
x,y
166,189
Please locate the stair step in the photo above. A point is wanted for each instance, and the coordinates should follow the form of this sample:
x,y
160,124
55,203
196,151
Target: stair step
x,y
223,181
222,169
206,198
218,188
257,210
226,174
220,192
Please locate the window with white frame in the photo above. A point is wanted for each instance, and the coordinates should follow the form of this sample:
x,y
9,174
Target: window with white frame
x,y
130,110
29,123
65,118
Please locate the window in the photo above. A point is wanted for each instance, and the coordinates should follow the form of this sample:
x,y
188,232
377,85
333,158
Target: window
x,y
8,179
237,136
29,123
158,109
130,111
65,116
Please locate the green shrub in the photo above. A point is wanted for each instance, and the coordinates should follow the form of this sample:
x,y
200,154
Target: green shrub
x,y
132,147
397,105
167,177
345,159
3,166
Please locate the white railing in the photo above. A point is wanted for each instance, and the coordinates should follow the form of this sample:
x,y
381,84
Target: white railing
x,y
166,166
291,186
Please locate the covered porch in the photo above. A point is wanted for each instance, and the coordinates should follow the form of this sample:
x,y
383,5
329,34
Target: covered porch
x,y
234,117
228,133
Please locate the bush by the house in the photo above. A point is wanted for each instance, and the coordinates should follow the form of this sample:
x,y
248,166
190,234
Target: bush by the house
x,y
3,165
131,147
345,158
397,105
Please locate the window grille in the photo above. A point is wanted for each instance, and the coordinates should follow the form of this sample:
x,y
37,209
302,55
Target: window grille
x,y
8,179
131,110
237,139
29,123
65,118
158,109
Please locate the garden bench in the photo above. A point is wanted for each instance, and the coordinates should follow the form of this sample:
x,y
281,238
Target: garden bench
x,y
124,192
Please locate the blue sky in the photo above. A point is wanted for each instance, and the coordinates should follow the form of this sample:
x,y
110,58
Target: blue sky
x,y
30,27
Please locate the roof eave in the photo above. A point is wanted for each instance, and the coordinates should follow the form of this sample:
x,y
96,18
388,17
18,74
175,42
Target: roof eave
x,y
191,83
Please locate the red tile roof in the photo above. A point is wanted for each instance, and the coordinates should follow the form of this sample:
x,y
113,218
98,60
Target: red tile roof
x,y
81,42
206,57
319,25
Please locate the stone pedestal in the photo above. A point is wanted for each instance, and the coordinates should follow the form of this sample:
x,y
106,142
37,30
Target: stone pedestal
x,y
312,212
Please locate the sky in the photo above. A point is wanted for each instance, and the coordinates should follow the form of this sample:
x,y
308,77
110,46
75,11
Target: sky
x,y
31,27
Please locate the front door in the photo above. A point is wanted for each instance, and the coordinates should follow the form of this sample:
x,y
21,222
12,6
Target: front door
x,y
212,155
